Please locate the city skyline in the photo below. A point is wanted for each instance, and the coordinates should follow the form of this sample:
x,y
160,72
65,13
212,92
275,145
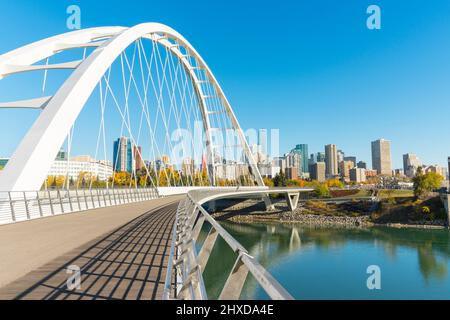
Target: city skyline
x,y
364,84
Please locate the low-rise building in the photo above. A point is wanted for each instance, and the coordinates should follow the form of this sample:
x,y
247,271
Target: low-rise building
x,y
317,171
371,173
292,173
358,175
72,168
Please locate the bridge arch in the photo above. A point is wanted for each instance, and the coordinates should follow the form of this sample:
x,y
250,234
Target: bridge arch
x,y
34,156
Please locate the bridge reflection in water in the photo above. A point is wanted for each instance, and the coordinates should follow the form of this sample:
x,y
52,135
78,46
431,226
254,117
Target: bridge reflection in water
x,y
330,263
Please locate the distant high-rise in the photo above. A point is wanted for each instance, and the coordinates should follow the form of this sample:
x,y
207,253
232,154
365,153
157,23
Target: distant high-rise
x,y
262,141
345,167
362,165
294,160
317,171
320,157
352,159
381,157
448,172
331,160
410,164
123,155
340,155
302,149
137,156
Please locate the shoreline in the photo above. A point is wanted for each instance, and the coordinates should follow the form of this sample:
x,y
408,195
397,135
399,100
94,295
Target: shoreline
x,y
246,212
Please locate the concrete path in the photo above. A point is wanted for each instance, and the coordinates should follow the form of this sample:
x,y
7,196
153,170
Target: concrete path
x,y
121,251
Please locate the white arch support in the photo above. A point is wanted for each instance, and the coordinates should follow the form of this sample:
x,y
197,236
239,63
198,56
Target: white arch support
x,y
31,161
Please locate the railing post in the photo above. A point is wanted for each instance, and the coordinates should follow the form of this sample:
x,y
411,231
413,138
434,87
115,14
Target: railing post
x,y
70,200
39,204
92,197
50,202
104,197
13,214
78,198
58,193
26,205
85,199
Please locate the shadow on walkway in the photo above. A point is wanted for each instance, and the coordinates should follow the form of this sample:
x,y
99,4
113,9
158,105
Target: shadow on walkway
x,y
128,263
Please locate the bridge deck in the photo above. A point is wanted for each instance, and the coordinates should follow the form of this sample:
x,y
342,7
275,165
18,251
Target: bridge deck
x,y
126,263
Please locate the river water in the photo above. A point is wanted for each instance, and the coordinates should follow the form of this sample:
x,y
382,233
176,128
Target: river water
x,y
331,263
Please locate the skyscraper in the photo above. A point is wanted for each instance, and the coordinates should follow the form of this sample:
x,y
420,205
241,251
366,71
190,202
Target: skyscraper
x,y
137,156
448,172
123,155
262,141
302,149
331,160
352,159
320,157
340,155
410,164
381,157
362,165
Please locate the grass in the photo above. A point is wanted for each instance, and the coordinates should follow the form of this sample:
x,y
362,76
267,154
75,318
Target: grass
x,y
383,194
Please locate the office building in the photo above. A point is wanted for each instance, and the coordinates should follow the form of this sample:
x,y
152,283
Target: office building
x,y
292,173
371,173
137,156
294,160
317,171
361,165
345,167
122,155
262,142
381,157
279,162
340,155
358,175
302,150
352,159
410,164
73,168
448,171
320,157
331,160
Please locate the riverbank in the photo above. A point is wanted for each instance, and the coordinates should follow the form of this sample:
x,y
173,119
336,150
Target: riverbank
x,y
353,213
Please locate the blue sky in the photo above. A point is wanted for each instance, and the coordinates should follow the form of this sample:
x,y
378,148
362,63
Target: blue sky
x,y
310,68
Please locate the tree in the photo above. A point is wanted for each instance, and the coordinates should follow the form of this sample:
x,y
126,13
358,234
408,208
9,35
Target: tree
x,y
321,189
280,180
425,183
335,183
268,182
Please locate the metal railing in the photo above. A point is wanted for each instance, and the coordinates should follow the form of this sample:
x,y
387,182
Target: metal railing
x,y
18,206
184,278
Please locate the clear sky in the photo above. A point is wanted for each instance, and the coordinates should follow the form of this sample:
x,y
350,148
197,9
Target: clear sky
x,y
310,68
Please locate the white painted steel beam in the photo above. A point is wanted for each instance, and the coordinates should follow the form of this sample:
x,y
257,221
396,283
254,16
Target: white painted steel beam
x,y
37,103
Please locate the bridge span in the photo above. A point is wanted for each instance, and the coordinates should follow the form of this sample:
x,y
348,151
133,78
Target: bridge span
x,y
122,253
143,250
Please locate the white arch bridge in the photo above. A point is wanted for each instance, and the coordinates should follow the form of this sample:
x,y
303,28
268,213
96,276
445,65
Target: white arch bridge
x,y
146,108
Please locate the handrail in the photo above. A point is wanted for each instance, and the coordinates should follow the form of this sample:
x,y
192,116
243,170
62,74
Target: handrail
x,y
188,266
18,206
